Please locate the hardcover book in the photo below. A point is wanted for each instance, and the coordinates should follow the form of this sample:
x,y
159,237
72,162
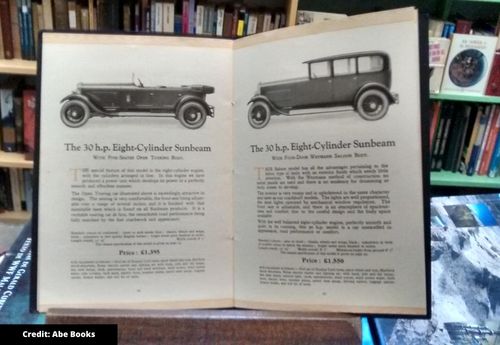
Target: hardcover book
x,y
469,63
222,173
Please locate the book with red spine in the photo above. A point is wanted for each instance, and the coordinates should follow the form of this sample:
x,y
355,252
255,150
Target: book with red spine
x,y
29,104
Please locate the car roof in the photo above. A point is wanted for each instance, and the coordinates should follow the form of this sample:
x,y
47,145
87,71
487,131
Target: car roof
x,y
343,56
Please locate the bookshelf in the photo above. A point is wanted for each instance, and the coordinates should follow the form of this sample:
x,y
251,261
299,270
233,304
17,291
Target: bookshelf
x,y
18,66
28,68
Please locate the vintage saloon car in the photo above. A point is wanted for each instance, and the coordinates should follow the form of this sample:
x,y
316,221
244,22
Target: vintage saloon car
x,y
186,103
361,80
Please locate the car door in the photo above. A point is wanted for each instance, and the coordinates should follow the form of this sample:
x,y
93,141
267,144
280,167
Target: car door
x,y
345,81
317,90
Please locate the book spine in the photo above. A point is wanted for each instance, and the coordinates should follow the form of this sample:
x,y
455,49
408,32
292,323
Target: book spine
x,y
192,17
14,190
5,192
8,120
437,141
493,85
29,104
483,120
220,21
85,22
5,22
93,15
48,23
200,14
18,114
444,141
72,15
490,143
168,17
185,16
463,136
495,160
159,17
22,191
28,188
489,113
61,15
15,29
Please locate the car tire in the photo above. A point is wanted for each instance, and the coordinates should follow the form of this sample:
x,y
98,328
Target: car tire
x,y
259,114
192,115
75,113
372,104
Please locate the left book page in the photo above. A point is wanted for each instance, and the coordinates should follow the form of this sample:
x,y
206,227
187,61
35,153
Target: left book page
x,y
134,173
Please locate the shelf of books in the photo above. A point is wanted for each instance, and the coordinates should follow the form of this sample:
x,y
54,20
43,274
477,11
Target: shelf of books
x,y
451,179
17,66
14,160
461,97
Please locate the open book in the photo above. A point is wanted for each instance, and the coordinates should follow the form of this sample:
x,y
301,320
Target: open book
x,y
278,171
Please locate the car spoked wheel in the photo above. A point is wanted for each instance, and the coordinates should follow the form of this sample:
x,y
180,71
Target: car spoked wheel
x,y
259,115
192,115
372,105
75,113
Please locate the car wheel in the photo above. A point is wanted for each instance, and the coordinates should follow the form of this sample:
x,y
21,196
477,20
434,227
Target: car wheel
x,y
372,105
192,115
259,114
75,113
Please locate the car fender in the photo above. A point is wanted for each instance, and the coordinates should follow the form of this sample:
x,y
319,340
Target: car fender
x,y
393,98
266,100
187,98
84,99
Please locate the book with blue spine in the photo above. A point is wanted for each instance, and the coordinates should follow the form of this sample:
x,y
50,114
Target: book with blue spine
x,y
476,149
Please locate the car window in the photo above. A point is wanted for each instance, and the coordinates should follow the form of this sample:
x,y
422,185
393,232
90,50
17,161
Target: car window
x,y
320,69
374,63
344,66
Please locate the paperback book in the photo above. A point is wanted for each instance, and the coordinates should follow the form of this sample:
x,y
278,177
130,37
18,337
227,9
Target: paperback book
x,y
265,172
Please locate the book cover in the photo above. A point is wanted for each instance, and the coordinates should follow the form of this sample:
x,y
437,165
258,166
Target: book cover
x,y
438,52
227,170
15,289
465,276
469,63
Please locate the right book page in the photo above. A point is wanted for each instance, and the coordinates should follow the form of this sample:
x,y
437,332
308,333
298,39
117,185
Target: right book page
x,y
329,198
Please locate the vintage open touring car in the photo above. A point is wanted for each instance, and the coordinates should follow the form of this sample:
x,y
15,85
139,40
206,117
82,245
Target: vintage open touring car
x,y
361,80
186,103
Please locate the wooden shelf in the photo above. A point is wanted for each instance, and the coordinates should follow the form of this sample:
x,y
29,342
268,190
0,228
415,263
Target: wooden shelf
x,y
15,217
464,97
17,66
446,178
14,160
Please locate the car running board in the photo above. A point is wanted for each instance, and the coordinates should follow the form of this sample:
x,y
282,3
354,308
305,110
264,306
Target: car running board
x,y
315,111
134,114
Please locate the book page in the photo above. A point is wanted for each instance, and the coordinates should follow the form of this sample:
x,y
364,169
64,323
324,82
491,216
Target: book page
x,y
134,202
328,169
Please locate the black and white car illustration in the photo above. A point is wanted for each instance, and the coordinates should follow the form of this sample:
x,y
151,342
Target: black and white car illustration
x,y
361,80
186,103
